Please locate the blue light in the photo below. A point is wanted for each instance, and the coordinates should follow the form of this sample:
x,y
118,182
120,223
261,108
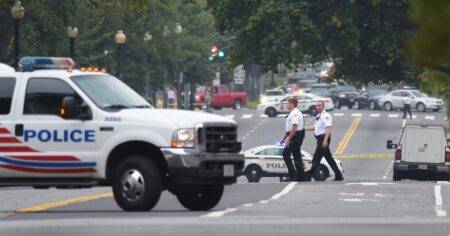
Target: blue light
x,y
34,63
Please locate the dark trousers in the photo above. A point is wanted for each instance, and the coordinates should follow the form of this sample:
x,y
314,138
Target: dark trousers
x,y
324,152
294,148
407,108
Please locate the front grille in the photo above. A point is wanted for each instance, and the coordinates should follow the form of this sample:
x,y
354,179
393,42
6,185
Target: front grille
x,y
218,139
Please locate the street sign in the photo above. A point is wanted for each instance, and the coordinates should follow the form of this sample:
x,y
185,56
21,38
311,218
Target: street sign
x,y
239,74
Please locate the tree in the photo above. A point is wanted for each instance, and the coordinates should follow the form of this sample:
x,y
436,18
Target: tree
x,y
365,39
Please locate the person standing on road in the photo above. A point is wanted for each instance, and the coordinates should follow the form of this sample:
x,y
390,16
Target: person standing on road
x,y
407,107
293,140
322,132
171,97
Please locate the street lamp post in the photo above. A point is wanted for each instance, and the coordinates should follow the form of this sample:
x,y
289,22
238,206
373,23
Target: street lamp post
x,y
17,13
72,33
178,30
120,40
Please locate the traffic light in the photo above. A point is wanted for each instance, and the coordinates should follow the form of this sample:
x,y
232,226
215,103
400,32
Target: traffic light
x,y
216,52
221,54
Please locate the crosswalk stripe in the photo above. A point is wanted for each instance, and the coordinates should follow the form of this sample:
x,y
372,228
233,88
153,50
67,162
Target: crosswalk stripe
x,y
414,116
282,115
393,115
356,115
429,117
247,116
375,115
263,116
338,114
229,116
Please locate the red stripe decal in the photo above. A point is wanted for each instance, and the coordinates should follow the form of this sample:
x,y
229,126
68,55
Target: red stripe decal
x,y
16,149
45,158
9,140
49,171
4,131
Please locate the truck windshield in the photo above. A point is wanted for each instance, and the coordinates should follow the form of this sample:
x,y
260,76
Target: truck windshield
x,y
109,93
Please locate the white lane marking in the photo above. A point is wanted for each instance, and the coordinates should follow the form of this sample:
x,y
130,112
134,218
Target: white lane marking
x,y
338,114
403,123
429,117
388,170
229,116
248,205
220,213
358,200
375,115
370,183
414,116
353,194
438,204
380,195
356,115
285,191
263,201
393,115
263,116
282,115
247,116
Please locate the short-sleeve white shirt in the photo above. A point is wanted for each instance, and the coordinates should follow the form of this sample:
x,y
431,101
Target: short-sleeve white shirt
x,y
295,117
325,120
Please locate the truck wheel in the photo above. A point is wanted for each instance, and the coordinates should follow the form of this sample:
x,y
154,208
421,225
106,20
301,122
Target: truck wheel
x,y
397,176
237,105
253,173
387,106
321,173
421,107
271,112
200,197
137,184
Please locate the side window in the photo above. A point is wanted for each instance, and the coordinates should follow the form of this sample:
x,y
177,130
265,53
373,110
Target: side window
x,y
397,94
6,93
261,153
273,152
222,89
44,96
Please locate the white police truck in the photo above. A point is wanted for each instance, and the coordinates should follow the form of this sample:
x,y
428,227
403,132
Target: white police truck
x,y
67,128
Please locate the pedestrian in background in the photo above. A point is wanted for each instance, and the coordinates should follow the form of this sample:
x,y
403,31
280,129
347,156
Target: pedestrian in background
x,y
322,132
407,107
171,97
293,140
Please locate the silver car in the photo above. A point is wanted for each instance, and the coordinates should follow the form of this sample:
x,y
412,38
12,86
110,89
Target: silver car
x,y
420,101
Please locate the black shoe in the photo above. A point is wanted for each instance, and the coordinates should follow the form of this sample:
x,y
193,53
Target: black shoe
x,y
289,179
339,178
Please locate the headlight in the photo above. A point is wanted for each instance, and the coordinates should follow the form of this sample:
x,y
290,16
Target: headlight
x,y
342,95
183,138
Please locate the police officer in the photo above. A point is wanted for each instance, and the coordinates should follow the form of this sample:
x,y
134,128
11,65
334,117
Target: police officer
x,y
407,107
322,132
293,140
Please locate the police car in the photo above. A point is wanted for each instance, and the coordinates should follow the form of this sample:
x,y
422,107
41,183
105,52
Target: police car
x,y
67,128
306,104
267,161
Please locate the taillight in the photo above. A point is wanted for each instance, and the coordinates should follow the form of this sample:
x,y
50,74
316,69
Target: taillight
x,y
398,154
447,154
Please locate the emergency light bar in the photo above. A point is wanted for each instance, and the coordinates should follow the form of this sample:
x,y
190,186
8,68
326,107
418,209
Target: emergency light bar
x,y
39,63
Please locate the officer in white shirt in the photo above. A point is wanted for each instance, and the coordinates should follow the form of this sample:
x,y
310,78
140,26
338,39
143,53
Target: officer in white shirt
x,y
407,106
322,132
293,140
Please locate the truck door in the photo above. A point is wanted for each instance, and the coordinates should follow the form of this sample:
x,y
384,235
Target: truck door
x,y
7,140
434,143
411,151
220,96
52,146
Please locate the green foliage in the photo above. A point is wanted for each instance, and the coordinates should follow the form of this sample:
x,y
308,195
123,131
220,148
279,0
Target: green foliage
x,y
364,38
155,62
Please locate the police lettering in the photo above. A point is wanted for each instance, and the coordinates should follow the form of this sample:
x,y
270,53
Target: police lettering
x,y
64,136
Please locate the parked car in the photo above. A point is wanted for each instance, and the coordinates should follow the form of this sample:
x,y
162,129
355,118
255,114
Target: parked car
x,y
368,98
421,151
344,95
267,161
272,95
222,97
323,89
420,101
306,104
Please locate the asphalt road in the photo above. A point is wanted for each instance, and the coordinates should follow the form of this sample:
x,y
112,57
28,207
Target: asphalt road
x,y
367,202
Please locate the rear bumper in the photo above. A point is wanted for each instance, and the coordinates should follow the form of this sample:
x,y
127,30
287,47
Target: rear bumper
x,y
418,167
188,167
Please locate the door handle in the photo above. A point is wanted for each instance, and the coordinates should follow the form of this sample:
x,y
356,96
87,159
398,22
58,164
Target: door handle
x,y
18,130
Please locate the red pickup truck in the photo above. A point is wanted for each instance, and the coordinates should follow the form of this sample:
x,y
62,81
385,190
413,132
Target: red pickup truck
x,y
222,97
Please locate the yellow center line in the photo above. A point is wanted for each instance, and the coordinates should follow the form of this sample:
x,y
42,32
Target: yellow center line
x,y
50,205
346,135
358,120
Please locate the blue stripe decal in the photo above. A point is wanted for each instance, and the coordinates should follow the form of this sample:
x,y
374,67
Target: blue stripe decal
x,y
47,164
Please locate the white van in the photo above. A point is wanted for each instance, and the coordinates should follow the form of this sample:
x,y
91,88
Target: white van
x,y
421,149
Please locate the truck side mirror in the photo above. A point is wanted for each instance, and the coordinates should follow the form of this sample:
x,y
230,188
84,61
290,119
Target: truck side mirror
x,y
390,145
70,110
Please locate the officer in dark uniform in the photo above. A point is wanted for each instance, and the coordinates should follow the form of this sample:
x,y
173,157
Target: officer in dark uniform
x,y
322,132
293,140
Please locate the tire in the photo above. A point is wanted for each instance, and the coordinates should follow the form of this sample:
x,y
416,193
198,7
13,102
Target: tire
x,y
253,173
237,105
356,105
271,112
200,197
137,184
372,105
321,173
396,176
421,107
387,106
